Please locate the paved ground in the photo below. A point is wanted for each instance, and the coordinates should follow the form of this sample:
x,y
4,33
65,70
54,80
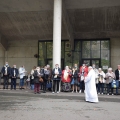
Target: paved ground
x,y
24,105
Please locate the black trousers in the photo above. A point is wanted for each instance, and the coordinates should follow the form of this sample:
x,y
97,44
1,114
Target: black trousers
x,y
109,88
6,81
44,85
55,85
13,83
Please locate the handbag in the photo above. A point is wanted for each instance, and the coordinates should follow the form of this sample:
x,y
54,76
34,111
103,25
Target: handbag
x,y
41,79
115,84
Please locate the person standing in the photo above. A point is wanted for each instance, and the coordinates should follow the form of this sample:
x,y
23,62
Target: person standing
x,y
74,78
46,77
110,76
28,81
6,74
96,75
37,76
32,78
14,74
22,72
90,87
56,78
117,74
101,81
83,74
66,75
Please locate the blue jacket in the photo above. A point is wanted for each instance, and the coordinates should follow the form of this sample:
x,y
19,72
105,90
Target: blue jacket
x,y
59,75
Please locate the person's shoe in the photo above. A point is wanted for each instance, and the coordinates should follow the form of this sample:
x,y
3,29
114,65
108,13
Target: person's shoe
x,y
72,91
76,91
102,93
53,92
34,92
80,91
44,91
112,94
38,92
57,92
3,87
98,93
108,94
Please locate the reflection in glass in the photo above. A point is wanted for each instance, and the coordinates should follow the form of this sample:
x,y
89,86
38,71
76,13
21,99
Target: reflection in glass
x,y
95,49
77,45
62,49
105,53
68,59
67,46
49,49
76,57
86,49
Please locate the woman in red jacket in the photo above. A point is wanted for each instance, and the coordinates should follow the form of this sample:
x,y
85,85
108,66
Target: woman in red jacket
x,y
83,74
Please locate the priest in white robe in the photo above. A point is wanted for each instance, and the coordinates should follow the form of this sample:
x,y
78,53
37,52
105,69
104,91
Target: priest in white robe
x,y
90,86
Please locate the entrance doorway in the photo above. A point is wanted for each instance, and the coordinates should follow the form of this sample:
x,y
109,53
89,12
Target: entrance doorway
x,y
50,62
90,62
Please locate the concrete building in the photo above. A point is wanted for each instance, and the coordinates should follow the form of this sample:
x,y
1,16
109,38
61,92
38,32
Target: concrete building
x,y
89,31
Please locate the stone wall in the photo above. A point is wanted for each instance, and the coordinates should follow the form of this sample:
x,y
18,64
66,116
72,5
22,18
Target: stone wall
x,y
21,52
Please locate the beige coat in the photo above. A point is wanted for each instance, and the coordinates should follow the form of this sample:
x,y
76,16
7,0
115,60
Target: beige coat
x,y
109,77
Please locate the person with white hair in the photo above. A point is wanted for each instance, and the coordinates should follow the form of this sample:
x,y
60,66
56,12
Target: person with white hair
x,y
101,81
56,73
110,76
66,75
90,87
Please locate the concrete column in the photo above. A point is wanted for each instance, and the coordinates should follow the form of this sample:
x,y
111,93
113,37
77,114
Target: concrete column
x,y
57,32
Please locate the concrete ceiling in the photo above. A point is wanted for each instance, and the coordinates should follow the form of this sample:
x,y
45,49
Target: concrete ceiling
x,y
33,19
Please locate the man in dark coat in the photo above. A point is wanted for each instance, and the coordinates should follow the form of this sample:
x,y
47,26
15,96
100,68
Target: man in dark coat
x,y
117,74
14,74
6,73
56,78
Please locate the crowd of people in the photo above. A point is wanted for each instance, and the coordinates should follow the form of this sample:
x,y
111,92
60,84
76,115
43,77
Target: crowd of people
x,y
75,77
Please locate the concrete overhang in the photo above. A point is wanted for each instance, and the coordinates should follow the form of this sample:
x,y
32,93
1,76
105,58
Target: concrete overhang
x,y
33,19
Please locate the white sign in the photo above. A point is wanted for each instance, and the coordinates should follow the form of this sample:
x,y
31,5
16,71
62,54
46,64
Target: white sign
x,y
105,67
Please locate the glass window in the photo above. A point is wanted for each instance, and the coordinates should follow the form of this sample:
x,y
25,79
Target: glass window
x,y
42,51
67,46
105,53
76,57
86,49
68,61
49,49
77,45
95,49
62,49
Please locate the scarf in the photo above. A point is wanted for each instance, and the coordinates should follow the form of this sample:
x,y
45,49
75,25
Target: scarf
x,y
65,74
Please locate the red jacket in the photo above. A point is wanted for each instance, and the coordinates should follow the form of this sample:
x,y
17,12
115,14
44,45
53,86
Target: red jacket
x,y
85,71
